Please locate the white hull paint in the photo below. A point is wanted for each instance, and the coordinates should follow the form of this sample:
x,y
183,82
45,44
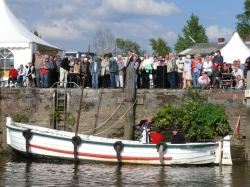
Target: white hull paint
x,y
53,143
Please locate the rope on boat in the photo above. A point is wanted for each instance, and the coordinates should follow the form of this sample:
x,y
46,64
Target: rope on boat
x,y
117,120
27,135
104,123
118,146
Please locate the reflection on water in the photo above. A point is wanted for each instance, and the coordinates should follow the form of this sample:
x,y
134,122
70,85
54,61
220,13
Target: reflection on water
x,y
22,172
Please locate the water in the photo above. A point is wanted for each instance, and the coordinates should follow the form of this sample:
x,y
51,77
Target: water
x,y
23,172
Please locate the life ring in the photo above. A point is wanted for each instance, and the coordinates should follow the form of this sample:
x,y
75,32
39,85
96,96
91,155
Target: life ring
x,y
163,144
118,146
76,140
27,134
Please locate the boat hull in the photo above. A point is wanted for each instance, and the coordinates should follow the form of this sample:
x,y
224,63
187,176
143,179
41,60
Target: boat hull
x,y
50,143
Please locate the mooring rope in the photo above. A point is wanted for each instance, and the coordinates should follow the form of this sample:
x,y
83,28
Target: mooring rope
x,y
106,119
117,120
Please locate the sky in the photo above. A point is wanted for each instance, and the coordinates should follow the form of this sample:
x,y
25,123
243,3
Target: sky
x,y
72,24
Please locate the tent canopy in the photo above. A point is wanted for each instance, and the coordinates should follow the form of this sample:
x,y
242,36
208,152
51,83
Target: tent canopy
x,y
14,34
235,49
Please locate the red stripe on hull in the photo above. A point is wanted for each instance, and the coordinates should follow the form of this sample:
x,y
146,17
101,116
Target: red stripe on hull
x,y
97,155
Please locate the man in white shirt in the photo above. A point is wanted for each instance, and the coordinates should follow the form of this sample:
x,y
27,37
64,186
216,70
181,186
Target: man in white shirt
x,y
180,68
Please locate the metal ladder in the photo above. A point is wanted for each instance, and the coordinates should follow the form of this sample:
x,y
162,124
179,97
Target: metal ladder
x,y
60,112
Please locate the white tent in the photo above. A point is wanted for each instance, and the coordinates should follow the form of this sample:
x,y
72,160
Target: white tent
x,y
235,49
17,43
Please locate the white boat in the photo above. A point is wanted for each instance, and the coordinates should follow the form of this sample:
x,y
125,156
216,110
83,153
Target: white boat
x,y
34,141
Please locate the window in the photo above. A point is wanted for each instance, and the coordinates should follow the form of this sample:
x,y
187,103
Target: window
x,y
6,59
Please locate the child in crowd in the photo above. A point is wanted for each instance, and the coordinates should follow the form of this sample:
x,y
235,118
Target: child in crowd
x,y
239,82
204,80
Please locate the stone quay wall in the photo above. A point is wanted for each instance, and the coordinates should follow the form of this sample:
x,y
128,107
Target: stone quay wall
x,y
37,105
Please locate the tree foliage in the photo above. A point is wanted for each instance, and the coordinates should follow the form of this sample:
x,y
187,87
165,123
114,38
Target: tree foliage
x,y
122,47
36,33
194,30
104,41
197,118
159,46
243,26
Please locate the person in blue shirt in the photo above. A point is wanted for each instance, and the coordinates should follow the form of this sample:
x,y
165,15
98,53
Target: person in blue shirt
x,y
95,70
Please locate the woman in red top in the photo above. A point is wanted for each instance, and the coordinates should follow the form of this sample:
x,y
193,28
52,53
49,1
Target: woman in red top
x,y
44,72
156,137
13,73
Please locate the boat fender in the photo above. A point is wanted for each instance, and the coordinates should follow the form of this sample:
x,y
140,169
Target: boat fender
x,y
163,144
76,140
27,135
118,146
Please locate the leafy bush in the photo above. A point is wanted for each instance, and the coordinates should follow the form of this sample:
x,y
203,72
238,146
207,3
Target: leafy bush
x,y
21,118
197,118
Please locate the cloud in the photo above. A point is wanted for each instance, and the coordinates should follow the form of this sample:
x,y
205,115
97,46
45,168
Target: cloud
x,y
71,24
142,7
214,32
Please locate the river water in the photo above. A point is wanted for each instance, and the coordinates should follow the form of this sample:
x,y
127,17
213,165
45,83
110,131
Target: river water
x,y
23,172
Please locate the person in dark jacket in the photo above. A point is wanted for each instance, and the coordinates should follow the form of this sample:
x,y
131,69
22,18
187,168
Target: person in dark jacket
x,y
64,69
178,138
113,67
218,58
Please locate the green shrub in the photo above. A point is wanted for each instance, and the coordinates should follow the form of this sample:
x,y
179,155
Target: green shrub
x,y
21,118
197,118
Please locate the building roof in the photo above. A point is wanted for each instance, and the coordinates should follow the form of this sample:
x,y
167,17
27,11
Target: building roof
x,y
15,34
234,49
203,48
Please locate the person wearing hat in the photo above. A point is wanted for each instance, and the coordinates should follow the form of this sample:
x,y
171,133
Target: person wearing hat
x,y
145,130
178,137
156,136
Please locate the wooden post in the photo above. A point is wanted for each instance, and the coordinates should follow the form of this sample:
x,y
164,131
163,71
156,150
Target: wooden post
x,y
247,148
130,99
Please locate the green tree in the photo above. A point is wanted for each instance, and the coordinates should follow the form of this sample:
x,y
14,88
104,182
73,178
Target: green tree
x,y
122,47
243,27
197,118
159,46
36,33
193,30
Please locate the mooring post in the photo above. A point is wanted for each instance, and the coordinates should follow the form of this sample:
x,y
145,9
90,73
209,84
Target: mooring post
x,y
130,99
247,148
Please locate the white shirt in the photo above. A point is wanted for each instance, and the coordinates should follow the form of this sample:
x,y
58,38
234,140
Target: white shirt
x,y
155,64
207,66
239,72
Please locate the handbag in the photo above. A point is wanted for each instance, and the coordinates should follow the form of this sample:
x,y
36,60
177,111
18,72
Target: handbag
x,y
33,76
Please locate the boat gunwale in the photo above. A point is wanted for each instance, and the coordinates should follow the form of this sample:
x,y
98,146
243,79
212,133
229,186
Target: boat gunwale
x,y
57,136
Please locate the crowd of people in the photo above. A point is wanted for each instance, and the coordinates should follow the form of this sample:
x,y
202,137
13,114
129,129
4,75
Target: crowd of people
x,y
179,72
